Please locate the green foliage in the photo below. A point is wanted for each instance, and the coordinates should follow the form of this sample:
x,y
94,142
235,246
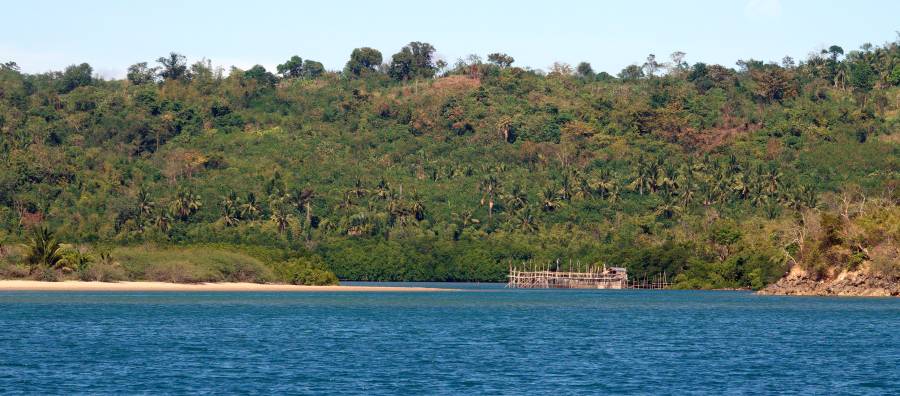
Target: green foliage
x,y
190,264
413,61
362,61
305,271
75,76
44,250
670,168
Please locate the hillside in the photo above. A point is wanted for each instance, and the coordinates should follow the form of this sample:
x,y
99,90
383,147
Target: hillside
x,y
415,170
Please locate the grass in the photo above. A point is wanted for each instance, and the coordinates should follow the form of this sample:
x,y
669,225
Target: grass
x,y
190,265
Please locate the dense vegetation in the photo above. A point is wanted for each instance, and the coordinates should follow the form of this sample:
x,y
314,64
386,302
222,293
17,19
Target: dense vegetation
x,y
411,169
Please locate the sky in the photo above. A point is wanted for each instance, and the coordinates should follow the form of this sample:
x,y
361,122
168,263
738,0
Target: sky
x,y
111,35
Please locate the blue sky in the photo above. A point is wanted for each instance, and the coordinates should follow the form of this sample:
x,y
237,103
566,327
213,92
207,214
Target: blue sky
x,y
110,35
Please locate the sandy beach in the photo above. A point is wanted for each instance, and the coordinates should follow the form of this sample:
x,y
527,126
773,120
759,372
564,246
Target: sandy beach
x,y
30,285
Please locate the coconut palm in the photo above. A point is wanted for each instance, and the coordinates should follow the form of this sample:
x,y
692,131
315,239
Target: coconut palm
x,y
642,180
145,206
251,208
306,197
382,191
771,208
230,209
463,221
525,221
281,216
185,204
517,198
772,181
163,221
43,249
667,209
417,206
566,187
549,200
490,187
358,190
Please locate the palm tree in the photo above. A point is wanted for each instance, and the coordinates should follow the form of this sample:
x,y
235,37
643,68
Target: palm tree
x,y
43,249
549,200
464,220
417,207
771,208
163,221
382,191
358,190
489,187
614,194
642,179
145,206
525,221
708,193
742,185
565,187
688,192
185,204
230,213
306,198
281,216
668,209
773,180
251,207
517,198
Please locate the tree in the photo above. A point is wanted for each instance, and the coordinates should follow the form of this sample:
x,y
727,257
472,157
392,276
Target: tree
x,y
43,249
230,209
76,76
362,61
773,83
413,61
862,75
292,68
185,204
11,66
678,64
651,66
631,72
549,200
489,187
251,207
173,67
585,70
500,59
139,73
261,75
560,69
281,216
313,69
145,206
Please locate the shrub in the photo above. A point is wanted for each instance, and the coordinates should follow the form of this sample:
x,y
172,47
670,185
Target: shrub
x,y
190,264
305,271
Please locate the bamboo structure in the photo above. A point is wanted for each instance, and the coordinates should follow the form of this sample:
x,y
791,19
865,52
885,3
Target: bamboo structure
x,y
531,276
591,277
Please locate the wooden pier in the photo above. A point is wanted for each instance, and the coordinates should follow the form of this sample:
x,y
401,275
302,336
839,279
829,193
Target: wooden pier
x,y
589,277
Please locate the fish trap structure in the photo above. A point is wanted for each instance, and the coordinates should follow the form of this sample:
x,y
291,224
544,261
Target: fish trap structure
x,y
547,278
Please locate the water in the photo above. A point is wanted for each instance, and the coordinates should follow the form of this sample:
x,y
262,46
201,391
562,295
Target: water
x,y
483,340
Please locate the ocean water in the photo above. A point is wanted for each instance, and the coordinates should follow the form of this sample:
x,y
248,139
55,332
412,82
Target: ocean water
x,y
482,340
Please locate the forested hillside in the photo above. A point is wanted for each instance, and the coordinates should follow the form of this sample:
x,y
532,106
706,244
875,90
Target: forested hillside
x,y
406,168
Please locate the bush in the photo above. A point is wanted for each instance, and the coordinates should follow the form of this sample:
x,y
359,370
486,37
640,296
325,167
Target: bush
x,y
305,271
190,264
103,272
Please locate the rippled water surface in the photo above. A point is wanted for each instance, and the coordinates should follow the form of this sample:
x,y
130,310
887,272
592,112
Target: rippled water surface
x,y
482,340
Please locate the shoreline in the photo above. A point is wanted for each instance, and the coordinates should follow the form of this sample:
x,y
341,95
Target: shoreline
x,y
148,286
